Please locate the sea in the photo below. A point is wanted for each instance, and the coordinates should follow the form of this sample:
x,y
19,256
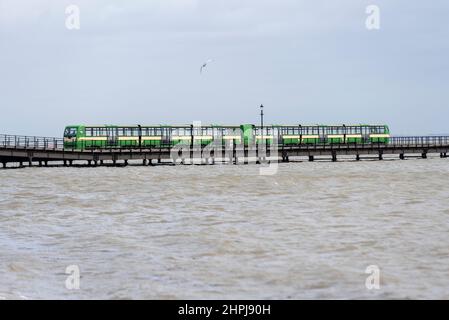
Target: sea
x,y
304,230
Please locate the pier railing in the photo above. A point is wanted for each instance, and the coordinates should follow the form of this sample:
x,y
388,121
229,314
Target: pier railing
x,y
420,141
30,142
51,143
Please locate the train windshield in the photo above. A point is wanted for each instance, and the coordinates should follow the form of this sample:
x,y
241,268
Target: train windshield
x,y
70,132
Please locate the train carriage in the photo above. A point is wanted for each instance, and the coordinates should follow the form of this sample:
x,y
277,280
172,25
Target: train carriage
x,y
137,136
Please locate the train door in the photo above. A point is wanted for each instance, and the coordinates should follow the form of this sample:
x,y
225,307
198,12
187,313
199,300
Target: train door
x,y
111,137
248,133
322,134
166,135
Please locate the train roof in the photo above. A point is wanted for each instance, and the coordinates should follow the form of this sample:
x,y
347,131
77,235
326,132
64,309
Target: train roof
x,y
222,126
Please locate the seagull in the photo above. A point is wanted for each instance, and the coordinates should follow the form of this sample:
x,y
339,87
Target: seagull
x,y
205,64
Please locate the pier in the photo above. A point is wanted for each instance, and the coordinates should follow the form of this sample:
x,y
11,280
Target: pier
x,y
45,151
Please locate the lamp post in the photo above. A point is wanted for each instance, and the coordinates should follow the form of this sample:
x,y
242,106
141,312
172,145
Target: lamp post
x,y
261,120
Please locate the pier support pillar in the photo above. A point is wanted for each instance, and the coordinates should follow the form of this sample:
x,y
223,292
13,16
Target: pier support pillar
x,y
95,163
444,155
126,162
357,157
70,162
101,162
21,164
144,162
40,163
334,157
114,162
89,162
46,163
424,155
311,158
4,164
65,163
159,160
381,156
401,156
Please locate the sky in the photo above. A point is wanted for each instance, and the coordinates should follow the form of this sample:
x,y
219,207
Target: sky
x,y
307,62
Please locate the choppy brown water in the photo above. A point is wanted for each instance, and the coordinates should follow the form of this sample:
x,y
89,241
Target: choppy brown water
x,y
309,231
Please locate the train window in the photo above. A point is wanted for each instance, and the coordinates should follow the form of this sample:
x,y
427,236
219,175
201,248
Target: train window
x,y
70,132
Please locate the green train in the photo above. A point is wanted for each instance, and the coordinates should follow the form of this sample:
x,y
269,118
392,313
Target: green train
x,y
137,136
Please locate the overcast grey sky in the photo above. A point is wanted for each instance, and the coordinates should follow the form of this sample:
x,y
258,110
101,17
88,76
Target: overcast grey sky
x,y
306,61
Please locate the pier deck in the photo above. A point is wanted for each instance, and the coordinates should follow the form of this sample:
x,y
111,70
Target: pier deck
x,y
26,150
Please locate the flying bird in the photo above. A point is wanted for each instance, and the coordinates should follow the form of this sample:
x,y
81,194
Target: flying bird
x,y
205,64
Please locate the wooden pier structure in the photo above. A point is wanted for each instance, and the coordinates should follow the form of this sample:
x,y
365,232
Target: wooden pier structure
x,y
42,151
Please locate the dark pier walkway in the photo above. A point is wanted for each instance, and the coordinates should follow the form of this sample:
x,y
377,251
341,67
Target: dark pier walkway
x,y
43,151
